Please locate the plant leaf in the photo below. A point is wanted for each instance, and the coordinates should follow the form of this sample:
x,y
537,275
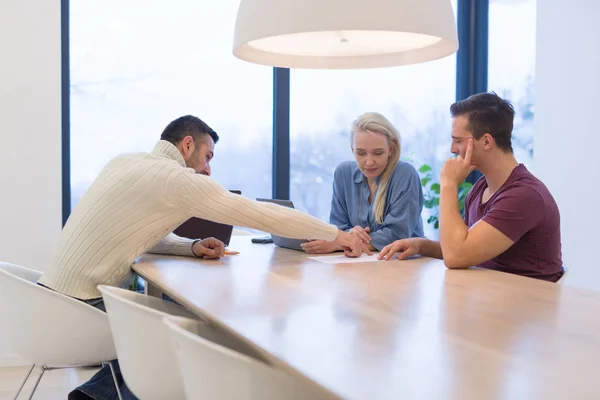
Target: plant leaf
x,y
425,181
435,188
424,168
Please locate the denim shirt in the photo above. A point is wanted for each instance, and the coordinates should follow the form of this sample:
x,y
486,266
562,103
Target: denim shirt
x,y
404,203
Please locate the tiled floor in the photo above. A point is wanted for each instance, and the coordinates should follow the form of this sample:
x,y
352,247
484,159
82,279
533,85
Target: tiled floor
x,y
55,385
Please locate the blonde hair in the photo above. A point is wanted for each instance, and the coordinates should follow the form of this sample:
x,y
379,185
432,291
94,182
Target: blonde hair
x,y
373,122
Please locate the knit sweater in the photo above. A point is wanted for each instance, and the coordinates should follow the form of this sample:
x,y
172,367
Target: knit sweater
x,y
135,204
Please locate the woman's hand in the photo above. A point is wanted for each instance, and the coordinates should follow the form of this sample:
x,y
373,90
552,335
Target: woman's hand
x,y
362,233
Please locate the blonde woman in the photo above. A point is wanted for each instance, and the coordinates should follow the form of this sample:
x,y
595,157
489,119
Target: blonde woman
x,y
377,197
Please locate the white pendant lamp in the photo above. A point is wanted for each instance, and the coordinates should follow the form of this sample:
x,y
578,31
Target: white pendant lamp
x,y
344,34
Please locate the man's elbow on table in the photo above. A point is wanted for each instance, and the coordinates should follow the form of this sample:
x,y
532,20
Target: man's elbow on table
x,y
452,261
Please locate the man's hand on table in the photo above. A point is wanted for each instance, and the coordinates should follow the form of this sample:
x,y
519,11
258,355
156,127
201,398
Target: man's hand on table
x,y
209,248
320,247
352,245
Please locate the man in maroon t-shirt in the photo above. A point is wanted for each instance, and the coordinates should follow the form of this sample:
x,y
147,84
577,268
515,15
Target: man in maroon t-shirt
x,y
512,223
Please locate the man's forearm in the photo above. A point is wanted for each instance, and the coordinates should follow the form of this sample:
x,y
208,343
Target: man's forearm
x,y
173,245
430,248
453,231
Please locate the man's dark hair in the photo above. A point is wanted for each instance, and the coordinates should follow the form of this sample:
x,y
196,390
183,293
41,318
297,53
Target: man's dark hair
x,y
488,113
187,125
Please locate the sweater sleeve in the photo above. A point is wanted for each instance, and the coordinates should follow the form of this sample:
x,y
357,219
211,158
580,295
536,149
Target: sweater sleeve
x,y
173,245
202,197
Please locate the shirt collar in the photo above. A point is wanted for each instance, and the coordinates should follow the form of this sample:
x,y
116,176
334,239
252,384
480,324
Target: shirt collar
x,y
359,177
166,149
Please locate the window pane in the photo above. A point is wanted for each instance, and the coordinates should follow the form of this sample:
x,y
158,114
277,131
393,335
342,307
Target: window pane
x,y
511,70
415,98
133,72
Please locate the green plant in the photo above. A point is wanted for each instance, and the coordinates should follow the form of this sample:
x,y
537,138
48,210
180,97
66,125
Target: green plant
x,y
431,192
135,284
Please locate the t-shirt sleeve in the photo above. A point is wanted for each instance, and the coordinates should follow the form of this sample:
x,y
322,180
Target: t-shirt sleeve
x,y
516,211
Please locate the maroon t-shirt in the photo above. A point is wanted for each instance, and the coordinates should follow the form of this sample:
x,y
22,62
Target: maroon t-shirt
x,y
524,210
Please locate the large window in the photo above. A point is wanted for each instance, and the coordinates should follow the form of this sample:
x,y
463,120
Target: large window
x,y
511,72
415,98
132,72
137,65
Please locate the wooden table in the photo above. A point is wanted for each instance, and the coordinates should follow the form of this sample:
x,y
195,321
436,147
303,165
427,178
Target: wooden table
x,y
396,330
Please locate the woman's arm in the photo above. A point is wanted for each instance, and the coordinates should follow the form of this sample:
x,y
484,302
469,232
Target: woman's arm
x,y
405,197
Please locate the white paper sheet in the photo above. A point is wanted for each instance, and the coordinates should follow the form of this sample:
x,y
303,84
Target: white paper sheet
x,y
342,259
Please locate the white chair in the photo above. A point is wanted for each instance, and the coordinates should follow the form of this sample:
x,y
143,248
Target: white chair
x,y
221,367
143,342
49,329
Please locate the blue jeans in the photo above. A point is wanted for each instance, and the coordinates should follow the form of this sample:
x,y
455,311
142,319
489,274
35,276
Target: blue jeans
x,y
102,386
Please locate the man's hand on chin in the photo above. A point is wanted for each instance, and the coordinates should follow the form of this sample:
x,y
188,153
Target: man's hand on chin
x,y
456,169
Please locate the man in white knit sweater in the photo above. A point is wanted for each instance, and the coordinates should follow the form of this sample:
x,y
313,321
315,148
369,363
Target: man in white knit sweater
x,y
139,199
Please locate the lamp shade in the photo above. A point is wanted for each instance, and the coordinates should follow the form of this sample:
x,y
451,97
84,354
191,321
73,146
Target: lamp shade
x,y
344,34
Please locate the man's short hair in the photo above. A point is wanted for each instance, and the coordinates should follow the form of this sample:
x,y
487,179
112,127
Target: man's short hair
x,y
488,113
188,125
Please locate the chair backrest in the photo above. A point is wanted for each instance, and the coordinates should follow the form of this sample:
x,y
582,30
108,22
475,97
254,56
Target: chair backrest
x,y
28,274
221,367
143,342
49,328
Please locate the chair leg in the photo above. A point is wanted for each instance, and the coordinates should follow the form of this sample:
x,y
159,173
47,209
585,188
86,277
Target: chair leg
x,y
112,371
37,382
24,382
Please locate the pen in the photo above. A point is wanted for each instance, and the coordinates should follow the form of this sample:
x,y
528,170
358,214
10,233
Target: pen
x,y
231,252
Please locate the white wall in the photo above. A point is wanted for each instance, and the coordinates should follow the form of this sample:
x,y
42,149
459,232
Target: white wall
x,y
567,115
30,135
